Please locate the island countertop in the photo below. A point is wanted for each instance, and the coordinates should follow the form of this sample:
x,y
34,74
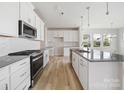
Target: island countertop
x,y
99,56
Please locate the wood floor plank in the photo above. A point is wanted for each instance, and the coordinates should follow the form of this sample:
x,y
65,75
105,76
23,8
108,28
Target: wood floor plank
x,y
58,75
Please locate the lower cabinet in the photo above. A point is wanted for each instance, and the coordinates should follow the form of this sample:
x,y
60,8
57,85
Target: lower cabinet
x,y
75,62
24,85
45,57
83,73
4,84
16,76
20,73
4,78
80,66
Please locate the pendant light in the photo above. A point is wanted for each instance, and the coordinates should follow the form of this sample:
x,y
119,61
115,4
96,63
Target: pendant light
x,y
88,8
81,23
107,8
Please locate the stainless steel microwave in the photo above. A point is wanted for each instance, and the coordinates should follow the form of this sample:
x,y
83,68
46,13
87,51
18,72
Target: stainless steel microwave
x,y
26,30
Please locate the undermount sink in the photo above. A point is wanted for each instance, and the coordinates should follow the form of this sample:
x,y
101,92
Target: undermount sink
x,y
81,51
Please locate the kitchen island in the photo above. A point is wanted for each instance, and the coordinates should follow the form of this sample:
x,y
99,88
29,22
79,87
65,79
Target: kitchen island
x,y
98,69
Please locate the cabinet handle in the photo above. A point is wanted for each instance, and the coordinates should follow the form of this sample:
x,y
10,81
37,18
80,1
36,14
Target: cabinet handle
x,y
81,64
24,87
6,86
22,74
23,63
81,60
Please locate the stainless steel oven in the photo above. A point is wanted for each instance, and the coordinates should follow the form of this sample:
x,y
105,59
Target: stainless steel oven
x,y
36,67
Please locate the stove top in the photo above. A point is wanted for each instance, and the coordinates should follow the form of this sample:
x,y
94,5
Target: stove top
x,y
26,52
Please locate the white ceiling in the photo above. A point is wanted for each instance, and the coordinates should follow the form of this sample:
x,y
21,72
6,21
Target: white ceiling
x,y
50,13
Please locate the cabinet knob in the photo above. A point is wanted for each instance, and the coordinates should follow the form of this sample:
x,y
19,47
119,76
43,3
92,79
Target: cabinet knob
x,y
6,86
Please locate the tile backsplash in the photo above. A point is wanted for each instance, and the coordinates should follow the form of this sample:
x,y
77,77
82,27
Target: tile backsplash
x,y
8,45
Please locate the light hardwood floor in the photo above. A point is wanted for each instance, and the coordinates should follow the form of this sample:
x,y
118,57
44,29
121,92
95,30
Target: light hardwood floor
x,y
58,75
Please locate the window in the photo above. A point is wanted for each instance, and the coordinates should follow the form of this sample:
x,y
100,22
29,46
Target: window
x,y
96,40
106,40
86,40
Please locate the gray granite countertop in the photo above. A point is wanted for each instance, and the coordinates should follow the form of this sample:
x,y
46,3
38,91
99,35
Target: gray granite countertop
x,y
99,56
7,60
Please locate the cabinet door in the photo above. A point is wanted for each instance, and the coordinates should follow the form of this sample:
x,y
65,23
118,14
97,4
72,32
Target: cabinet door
x,y
66,52
4,84
42,30
24,11
4,78
75,36
83,73
9,16
31,17
27,13
44,59
75,62
38,27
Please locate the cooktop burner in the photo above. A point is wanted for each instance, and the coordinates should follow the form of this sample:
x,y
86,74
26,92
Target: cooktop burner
x,y
26,52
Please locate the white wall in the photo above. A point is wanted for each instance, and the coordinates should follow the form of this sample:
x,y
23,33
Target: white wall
x,y
114,45
8,45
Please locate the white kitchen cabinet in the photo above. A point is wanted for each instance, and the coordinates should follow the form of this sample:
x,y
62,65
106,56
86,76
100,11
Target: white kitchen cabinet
x,y
83,72
58,33
19,72
4,78
4,84
50,36
66,52
45,57
40,28
75,37
9,16
24,85
75,62
71,36
123,75
26,13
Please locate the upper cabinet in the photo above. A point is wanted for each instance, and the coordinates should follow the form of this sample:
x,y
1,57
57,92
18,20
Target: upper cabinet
x,y
58,33
40,28
71,36
26,13
9,15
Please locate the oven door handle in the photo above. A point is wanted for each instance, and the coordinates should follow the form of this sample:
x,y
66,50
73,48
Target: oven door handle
x,y
37,58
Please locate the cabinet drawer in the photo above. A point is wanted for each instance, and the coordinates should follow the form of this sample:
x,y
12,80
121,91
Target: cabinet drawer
x,y
18,65
83,61
4,84
19,76
4,72
24,85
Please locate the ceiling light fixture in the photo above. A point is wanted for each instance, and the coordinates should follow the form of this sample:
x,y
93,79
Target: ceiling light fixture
x,y
60,10
88,8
